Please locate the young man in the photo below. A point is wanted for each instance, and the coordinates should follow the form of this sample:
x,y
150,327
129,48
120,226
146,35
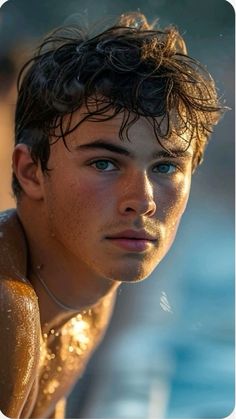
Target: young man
x,y
108,131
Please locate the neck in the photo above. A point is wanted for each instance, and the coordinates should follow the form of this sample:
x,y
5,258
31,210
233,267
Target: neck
x,y
72,283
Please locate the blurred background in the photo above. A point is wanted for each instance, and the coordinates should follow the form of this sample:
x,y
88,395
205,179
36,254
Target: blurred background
x,y
169,350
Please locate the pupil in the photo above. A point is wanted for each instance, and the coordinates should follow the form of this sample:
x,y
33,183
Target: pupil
x,y
164,168
102,164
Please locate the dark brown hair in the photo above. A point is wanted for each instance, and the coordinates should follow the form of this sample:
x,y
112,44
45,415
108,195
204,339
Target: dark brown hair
x,y
130,68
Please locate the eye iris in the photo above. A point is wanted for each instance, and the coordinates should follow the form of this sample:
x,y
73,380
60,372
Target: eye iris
x,y
164,168
102,164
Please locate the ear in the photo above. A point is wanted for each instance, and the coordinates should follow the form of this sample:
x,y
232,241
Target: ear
x,y
28,173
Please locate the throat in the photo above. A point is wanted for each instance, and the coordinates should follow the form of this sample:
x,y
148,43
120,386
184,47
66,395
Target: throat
x,y
56,307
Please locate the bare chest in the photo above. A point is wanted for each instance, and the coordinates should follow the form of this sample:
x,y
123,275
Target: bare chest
x,y
63,356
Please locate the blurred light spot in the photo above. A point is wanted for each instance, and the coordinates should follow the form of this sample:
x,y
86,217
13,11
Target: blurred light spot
x,y
164,303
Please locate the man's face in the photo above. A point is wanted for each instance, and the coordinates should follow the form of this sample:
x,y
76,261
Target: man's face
x,y
113,205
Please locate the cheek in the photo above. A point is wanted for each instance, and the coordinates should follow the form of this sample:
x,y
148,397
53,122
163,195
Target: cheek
x,y
175,197
91,200
179,201
76,207
174,203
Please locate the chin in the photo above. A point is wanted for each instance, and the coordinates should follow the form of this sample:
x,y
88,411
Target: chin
x,y
135,279
133,274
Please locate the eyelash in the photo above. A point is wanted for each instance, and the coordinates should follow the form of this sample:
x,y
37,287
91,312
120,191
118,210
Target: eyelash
x,y
176,167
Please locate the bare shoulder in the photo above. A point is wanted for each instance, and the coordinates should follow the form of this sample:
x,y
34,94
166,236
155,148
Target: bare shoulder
x,y
13,248
20,347
19,319
19,314
18,300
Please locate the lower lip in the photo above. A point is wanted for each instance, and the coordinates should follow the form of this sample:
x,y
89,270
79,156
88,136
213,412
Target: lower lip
x,y
133,245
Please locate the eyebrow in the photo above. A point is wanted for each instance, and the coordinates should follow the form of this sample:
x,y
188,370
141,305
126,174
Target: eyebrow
x,y
107,145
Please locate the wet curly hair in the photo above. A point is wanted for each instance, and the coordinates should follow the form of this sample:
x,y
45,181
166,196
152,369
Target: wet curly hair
x,y
131,68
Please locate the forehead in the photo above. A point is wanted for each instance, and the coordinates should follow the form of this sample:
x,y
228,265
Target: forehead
x,y
141,131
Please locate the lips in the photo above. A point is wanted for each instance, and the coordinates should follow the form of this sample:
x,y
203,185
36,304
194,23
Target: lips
x,y
133,234
136,241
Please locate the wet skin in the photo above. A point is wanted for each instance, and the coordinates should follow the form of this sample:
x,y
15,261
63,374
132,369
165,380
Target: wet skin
x,y
38,366
79,225
93,193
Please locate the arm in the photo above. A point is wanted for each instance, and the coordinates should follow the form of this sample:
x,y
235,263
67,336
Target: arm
x,y
20,340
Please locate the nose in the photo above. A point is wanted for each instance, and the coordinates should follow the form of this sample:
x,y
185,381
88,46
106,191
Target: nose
x,y
137,196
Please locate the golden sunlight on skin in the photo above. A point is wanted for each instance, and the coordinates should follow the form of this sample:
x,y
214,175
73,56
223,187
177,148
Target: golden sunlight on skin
x,y
64,353
72,218
46,360
88,205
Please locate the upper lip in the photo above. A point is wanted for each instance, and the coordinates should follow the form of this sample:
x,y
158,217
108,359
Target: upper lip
x,y
132,234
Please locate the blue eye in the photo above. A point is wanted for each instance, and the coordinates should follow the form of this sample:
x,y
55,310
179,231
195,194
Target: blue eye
x,y
166,168
104,165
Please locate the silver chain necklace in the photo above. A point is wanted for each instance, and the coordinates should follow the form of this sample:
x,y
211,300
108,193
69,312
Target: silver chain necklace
x,y
51,294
